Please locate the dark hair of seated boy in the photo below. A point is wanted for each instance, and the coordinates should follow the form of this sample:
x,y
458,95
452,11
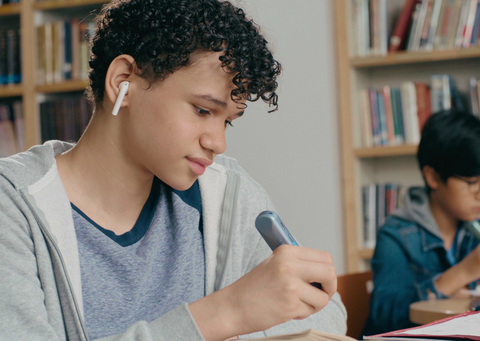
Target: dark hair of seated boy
x,y
424,250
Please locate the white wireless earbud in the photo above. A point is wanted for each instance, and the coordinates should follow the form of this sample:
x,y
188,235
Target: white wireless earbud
x,y
123,91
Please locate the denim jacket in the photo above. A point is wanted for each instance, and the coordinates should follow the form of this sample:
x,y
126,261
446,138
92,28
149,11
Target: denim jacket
x,y
409,256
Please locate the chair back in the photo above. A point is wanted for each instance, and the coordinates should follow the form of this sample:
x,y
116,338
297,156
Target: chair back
x,y
355,290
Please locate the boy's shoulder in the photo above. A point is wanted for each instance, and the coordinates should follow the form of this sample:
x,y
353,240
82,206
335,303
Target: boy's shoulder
x,y
26,168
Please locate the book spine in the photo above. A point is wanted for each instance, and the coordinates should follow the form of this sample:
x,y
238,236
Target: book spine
x,y
467,35
67,50
397,115
366,118
413,27
462,23
3,58
389,116
399,36
377,139
476,26
472,87
424,110
441,35
382,119
424,34
452,28
437,10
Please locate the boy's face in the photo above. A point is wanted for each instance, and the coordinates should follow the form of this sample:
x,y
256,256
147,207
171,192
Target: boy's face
x,y
177,127
460,197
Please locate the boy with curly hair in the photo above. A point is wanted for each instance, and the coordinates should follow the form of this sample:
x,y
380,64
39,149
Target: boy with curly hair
x,y
142,230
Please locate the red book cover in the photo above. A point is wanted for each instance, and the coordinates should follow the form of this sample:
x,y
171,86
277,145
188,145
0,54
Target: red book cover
x,y
400,32
424,104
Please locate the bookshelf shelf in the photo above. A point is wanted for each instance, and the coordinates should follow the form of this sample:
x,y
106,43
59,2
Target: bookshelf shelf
x,y
385,151
68,86
49,5
366,253
402,58
11,90
10,9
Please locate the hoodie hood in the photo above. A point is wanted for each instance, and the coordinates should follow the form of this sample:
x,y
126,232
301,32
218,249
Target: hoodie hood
x,y
417,209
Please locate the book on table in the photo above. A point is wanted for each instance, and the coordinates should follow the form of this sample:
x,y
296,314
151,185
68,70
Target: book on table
x,y
465,326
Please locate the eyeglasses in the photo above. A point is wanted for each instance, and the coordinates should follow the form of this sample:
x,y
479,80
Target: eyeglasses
x,y
473,186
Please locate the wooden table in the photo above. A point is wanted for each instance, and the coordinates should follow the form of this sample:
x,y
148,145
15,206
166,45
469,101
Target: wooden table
x,y
428,311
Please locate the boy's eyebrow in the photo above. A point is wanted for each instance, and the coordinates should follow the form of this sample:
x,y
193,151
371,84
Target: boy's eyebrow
x,y
212,99
216,101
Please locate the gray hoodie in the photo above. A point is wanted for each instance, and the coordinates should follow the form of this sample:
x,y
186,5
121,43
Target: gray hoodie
x,y
40,284
416,209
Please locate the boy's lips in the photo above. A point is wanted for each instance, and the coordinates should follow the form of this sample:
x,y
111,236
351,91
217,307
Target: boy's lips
x,y
199,164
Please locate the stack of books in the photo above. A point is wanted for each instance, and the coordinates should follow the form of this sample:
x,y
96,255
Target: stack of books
x,y
10,64
64,119
420,25
395,116
63,51
12,131
379,200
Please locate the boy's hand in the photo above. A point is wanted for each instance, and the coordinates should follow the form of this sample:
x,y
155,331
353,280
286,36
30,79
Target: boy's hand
x,y
460,275
276,291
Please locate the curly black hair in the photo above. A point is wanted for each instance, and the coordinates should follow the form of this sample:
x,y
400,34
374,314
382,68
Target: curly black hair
x,y
161,36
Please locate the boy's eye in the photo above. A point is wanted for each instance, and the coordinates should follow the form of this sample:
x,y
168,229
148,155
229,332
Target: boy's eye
x,y
202,112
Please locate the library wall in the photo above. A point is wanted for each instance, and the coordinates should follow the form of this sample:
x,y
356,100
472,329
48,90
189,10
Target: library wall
x,y
294,152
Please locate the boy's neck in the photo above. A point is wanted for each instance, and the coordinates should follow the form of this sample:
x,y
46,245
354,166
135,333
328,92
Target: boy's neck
x,y
102,184
446,222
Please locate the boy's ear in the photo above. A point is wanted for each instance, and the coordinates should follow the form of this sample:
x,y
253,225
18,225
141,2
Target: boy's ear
x,y
120,69
432,178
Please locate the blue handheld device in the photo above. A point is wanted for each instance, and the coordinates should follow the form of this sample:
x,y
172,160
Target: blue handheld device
x,y
275,233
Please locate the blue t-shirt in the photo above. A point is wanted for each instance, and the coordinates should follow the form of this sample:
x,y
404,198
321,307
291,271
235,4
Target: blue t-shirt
x,y
146,272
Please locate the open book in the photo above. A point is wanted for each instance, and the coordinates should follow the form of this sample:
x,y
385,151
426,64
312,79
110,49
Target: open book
x,y
307,335
465,326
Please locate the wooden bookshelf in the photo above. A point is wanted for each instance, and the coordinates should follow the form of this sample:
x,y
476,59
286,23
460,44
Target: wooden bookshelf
x,y
29,91
385,151
67,86
10,9
365,253
401,58
11,90
361,166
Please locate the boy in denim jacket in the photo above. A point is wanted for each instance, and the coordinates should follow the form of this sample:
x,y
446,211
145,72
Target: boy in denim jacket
x,y
423,249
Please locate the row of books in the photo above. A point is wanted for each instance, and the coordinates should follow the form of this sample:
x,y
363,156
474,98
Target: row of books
x,y
379,201
12,131
10,63
394,116
64,118
420,25
63,51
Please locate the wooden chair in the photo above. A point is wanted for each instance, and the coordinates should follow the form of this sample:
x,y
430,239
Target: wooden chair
x,y
355,290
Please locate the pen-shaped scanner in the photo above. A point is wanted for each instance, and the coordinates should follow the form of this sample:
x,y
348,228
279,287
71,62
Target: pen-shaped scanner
x,y
275,233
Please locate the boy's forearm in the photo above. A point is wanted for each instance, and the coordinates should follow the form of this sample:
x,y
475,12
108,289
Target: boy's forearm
x,y
458,276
